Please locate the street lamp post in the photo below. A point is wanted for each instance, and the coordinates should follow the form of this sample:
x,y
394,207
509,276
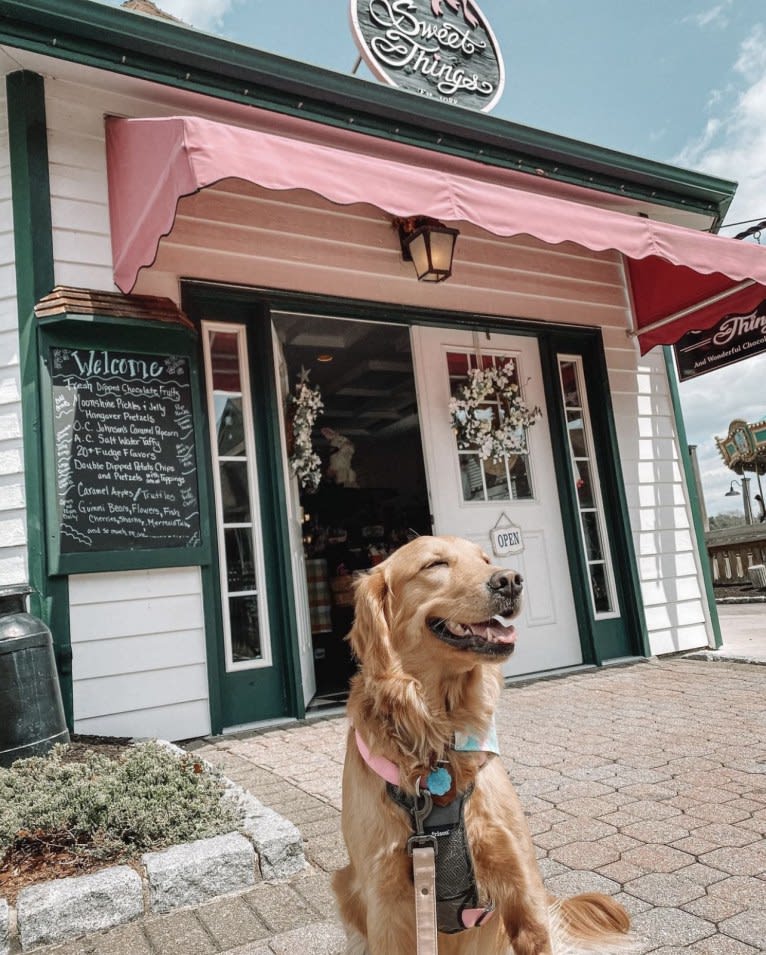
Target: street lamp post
x,y
744,483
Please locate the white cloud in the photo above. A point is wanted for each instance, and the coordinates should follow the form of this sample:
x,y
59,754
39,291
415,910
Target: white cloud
x,y
715,17
733,146
733,143
203,14
752,56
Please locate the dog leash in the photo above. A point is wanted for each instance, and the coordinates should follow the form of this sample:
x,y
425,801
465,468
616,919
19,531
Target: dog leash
x,y
423,848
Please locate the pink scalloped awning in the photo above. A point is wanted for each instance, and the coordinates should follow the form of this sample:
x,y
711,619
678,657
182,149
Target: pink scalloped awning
x,y
681,279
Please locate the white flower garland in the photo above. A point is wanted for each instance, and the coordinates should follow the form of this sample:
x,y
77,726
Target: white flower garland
x,y
472,413
305,464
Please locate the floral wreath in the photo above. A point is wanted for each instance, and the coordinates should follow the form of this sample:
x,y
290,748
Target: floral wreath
x,y
305,463
472,418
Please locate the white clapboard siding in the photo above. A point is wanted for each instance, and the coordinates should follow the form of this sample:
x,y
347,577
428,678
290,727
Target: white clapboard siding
x,y
13,552
663,533
174,720
238,233
138,653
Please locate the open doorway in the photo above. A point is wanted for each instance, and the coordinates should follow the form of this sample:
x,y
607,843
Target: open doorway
x,y
372,495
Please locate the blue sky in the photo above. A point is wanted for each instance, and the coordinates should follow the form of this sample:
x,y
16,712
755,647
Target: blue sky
x,y
682,82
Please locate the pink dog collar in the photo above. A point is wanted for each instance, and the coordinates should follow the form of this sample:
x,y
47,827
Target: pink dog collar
x,y
390,771
378,764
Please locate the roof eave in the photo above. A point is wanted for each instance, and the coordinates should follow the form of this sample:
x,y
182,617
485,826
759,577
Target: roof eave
x,y
169,53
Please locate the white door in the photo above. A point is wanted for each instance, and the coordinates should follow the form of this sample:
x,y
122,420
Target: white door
x,y
295,531
471,497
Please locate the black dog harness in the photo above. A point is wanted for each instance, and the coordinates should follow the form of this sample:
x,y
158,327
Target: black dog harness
x,y
443,827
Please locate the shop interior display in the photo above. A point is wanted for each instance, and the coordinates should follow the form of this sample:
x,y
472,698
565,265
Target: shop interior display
x,y
371,496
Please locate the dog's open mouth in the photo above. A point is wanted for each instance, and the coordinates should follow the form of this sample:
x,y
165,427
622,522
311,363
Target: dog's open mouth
x,y
496,636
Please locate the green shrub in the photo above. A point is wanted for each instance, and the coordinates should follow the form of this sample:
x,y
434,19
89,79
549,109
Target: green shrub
x,y
147,799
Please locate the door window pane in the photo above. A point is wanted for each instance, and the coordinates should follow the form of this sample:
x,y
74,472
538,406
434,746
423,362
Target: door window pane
x,y
506,478
246,637
600,587
240,565
224,361
496,476
243,605
471,476
584,484
235,492
585,476
576,434
591,534
229,426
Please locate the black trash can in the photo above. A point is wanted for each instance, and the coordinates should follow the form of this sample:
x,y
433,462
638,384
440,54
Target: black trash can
x,y
31,711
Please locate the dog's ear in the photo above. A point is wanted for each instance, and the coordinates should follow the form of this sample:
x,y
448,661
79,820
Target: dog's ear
x,y
391,706
370,635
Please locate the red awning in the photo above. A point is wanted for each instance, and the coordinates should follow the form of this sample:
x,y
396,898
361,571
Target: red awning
x,y
681,279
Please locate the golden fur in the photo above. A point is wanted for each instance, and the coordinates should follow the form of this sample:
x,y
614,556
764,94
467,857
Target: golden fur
x,y
412,693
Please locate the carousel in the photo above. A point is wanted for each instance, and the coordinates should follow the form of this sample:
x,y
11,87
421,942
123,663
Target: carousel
x,y
744,450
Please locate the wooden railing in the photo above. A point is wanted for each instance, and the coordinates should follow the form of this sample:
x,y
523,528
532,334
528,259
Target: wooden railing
x,y
733,549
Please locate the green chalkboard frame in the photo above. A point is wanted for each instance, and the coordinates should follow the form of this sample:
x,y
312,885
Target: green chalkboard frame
x,y
98,331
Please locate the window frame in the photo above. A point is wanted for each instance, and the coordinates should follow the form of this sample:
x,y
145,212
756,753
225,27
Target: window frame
x,y
260,593
598,502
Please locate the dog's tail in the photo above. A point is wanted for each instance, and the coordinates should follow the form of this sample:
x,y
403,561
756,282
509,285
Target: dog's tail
x,y
589,923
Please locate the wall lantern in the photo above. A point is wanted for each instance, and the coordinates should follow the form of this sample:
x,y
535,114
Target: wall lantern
x,y
429,245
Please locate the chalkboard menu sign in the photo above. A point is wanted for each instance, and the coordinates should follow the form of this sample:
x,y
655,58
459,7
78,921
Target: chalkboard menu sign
x,y
125,457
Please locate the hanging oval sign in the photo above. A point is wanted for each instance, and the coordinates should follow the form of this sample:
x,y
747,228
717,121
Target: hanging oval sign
x,y
442,49
507,538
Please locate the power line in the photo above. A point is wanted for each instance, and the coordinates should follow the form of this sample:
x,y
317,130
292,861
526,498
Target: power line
x,y
732,225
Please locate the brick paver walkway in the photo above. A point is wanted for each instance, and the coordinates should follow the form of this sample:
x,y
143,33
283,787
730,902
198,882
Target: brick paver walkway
x,y
647,782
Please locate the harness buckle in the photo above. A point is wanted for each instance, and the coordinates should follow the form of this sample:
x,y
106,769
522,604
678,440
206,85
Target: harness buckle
x,y
421,813
420,839
422,842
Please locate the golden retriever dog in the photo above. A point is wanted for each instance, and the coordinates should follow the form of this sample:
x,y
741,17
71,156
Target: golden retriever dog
x,y
431,628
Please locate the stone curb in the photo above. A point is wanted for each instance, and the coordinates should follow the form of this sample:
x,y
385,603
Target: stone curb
x,y
5,933
718,656
267,846
758,599
63,908
199,871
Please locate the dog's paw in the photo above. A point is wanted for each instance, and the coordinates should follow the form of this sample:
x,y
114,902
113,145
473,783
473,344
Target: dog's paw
x,y
356,944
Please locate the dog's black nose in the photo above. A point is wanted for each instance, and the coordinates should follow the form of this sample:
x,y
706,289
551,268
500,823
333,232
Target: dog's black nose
x,y
508,583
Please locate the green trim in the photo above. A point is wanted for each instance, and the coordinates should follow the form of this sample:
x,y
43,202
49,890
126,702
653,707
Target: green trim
x,y
549,348
613,489
694,503
589,346
211,294
33,241
211,581
211,608
272,479
108,38
234,695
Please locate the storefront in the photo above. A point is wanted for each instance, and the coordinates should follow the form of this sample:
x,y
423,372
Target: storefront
x,y
202,235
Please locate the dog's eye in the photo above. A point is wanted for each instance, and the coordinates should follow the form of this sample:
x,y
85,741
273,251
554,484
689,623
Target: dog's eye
x,y
436,563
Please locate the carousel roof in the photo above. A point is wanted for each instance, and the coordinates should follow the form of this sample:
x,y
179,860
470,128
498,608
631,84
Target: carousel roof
x,y
744,447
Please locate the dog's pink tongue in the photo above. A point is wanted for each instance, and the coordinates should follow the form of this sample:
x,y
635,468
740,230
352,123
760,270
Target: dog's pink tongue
x,y
495,631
